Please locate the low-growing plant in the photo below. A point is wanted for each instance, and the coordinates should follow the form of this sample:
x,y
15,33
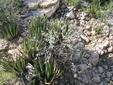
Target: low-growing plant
x,y
10,31
18,67
74,2
98,30
4,76
46,72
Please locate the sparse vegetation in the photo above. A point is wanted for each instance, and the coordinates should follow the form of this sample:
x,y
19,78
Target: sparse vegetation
x,y
98,30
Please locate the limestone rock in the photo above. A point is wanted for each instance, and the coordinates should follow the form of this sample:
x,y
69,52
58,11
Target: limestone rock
x,y
42,7
70,15
3,44
84,38
110,49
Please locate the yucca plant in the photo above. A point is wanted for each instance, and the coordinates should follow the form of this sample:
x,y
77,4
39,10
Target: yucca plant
x,y
30,45
37,27
10,31
46,72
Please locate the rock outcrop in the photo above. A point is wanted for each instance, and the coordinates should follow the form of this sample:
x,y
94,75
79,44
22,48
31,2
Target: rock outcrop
x,y
42,7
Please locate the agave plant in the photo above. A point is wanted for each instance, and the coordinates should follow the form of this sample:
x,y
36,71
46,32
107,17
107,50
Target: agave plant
x,y
47,72
10,31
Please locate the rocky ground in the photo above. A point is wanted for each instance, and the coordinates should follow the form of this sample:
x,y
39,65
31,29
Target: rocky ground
x,y
87,50
89,54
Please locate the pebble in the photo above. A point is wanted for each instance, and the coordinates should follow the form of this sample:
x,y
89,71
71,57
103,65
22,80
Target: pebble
x,y
70,15
85,38
83,67
110,49
100,69
94,58
96,78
